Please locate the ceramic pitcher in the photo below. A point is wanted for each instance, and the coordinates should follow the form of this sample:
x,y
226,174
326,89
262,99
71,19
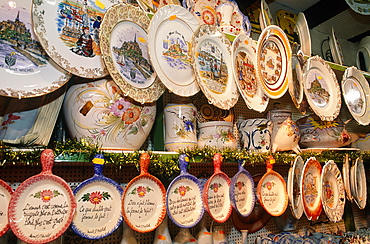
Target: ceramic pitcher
x,y
255,134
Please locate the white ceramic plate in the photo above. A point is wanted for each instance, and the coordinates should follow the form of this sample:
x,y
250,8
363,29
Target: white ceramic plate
x,y
69,33
244,63
294,188
304,36
213,66
124,46
360,184
169,43
335,48
333,193
274,61
321,89
356,94
346,177
25,69
265,16
5,194
296,83
361,7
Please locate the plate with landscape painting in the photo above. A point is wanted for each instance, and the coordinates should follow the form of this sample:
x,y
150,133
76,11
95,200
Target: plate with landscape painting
x,y
170,33
124,45
68,30
25,69
321,88
213,66
244,63
5,193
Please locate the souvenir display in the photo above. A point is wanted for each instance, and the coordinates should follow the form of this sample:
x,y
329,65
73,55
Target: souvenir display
x,y
216,197
169,36
356,92
217,134
358,181
42,207
184,197
321,88
265,17
333,193
244,63
255,134
346,171
98,111
238,20
213,67
304,37
287,22
335,48
69,33
144,200
5,194
241,191
25,69
361,7
294,187
311,189
99,207
274,61
124,45
271,191
363,54
295,87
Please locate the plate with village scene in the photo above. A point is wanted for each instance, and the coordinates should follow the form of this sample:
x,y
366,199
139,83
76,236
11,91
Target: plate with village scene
x,y
273,61
213,66
321,88
25,69
244,63
68,30
169,35
124,45
356,92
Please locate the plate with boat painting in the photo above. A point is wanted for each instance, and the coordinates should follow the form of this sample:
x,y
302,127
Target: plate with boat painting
x,y
124,45
25,69
68,30
321,88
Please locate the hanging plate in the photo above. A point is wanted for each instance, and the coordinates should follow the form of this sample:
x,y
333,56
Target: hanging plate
x,y
301,27
335,48
5,194
296,84
359,183
294,188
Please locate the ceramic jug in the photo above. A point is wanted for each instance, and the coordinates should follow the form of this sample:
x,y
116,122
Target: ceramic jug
x,y
162,234
219,235
184,237
204,236
128,236
255,134
217,134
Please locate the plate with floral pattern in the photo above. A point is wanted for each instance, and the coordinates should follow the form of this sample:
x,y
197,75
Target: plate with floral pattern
x,y
213,67
294,188
68,30
356,92
216,198
5,194
144,200
124,45
25,69
333,193
184,197
359,183
321,88
203,10
42,207
274,61
98,204
244,63
170,33
311,189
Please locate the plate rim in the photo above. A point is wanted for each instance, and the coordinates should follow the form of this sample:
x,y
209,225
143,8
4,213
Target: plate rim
x,y
359,166
303,33
298,163
10,190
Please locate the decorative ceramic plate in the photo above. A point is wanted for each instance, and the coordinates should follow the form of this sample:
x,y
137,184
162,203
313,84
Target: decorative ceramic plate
x,y
144,200
154,6
360,183
216,197
272,193
69,32
25,69
361,7
311,189
333,193
5,194
170,33
346,177
242,195
184,197
124,45
273,61
304,36
335,48
213,66
287,22
321,89
294,187
356,93
98,205
296,83
42,207
265,16
244,63
203,10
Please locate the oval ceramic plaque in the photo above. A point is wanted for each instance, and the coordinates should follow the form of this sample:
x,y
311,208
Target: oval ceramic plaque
x,y
5,193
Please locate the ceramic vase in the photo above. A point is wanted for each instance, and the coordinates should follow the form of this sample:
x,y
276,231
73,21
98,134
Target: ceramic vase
x,y
219,235
184,237
180,124
204,236
255,134
128,236
162,234
217,134
98,112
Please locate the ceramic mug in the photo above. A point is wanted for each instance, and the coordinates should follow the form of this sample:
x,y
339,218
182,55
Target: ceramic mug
x,y
217,134
255,134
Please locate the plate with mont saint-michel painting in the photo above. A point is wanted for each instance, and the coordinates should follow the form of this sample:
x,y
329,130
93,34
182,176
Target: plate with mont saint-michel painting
x,y
124,45
68,30
213,67
321,88
170,33
25,69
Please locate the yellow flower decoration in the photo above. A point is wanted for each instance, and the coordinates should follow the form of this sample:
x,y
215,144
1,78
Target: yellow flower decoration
x,y
322,124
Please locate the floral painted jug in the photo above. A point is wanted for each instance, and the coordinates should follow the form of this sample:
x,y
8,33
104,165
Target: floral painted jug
x,y
255,134
217,134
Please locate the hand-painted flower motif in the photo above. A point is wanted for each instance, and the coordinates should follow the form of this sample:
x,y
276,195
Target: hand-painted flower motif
x,y
95,197
141,191
46,195
269,185
208,17
131,115
119,107
239,185
215,187
182,190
